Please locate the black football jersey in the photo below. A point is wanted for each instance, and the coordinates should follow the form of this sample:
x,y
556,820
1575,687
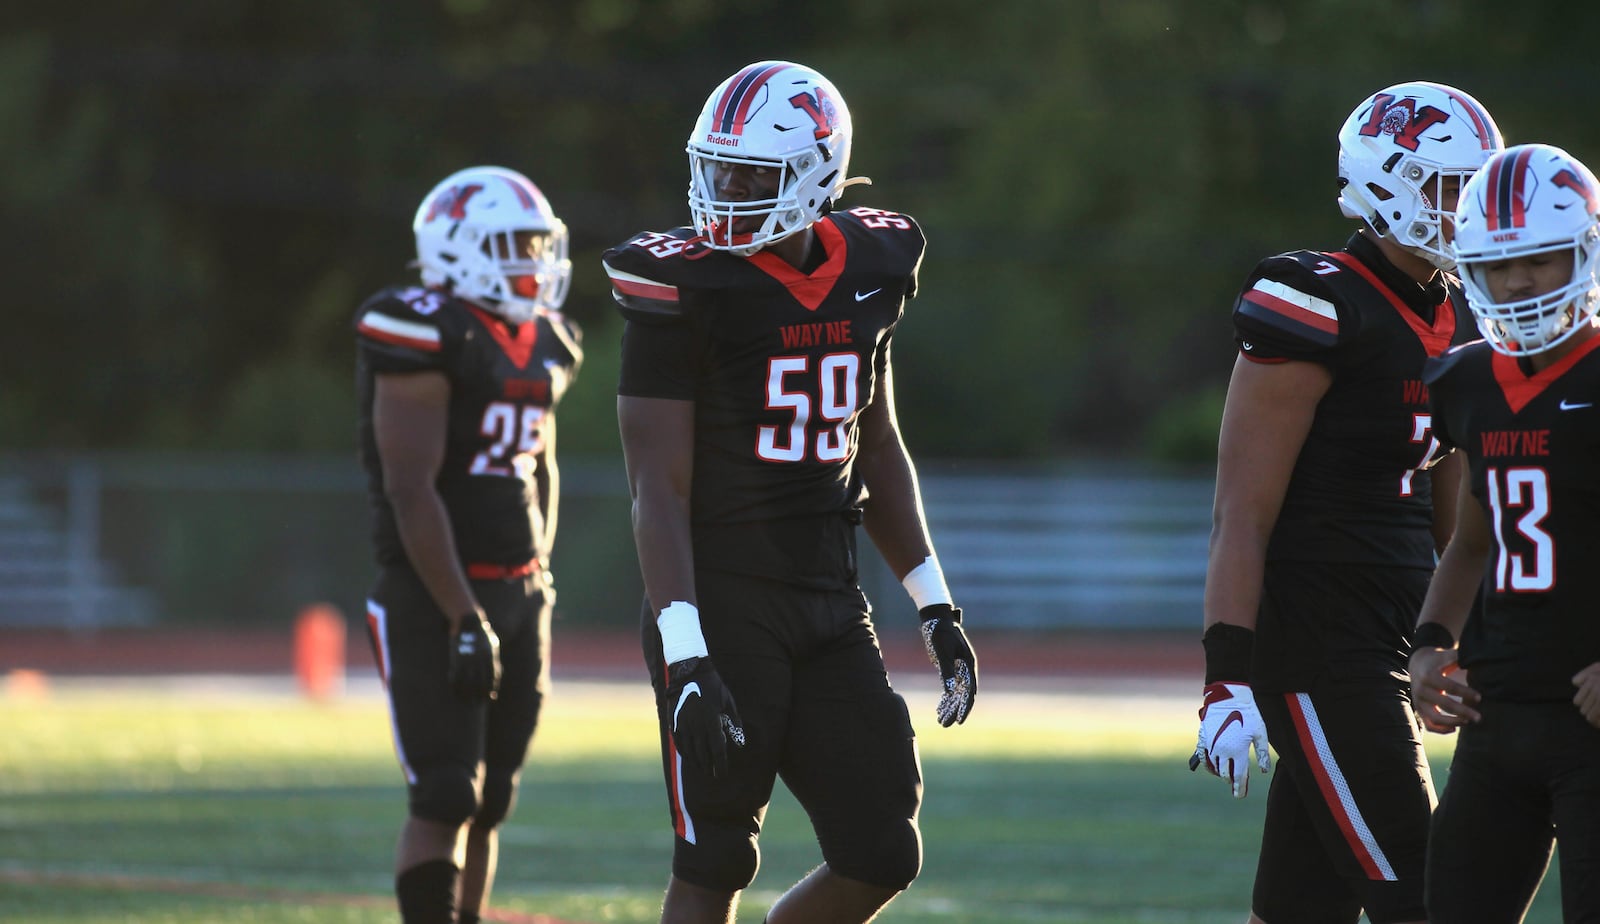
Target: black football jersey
x,y
780,364
1360,491
1533,447
505,381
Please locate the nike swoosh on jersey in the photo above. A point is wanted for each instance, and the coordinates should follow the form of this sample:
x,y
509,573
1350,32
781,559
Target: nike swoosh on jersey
x,y
863,296
1574,405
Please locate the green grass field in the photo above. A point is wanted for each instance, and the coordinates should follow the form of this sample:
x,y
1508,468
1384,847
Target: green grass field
x,y
195,804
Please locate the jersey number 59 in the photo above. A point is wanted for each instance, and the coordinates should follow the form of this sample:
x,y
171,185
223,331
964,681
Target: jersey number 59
x,y
831,397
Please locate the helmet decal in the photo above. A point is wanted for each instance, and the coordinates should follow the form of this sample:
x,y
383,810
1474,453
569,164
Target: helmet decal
x,y
1571,179
1402,119
733,110
820,108
1510,186
453,202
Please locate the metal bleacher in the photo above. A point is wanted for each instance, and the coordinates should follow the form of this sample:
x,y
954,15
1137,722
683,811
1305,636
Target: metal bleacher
x,y
1028,550
48,575
1083,551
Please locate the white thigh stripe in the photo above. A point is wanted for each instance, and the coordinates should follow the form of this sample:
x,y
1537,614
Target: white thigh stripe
x,y
379,618
1334,787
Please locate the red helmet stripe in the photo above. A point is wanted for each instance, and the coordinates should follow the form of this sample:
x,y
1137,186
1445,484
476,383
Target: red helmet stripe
x,y
527,193
1519,187
1480,119
1507,190
1491,193
734,106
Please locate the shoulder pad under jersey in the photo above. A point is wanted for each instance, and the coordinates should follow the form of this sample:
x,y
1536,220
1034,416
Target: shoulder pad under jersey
x,y
404,328
1286,305
1437,367
651,272
567,331
896,240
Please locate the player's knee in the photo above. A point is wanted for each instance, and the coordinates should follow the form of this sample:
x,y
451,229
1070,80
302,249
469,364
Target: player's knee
x,y
721,862
889,857
448,795
499,798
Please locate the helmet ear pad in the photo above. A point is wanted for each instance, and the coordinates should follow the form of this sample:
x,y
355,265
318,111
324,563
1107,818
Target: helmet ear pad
x,y
489,235
773,115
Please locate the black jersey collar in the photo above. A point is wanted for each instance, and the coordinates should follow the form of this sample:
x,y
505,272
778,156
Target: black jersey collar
x,y
1418,297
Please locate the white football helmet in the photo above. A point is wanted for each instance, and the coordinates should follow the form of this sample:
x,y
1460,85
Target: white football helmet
x,y
467,230
1395,151
1530,199
778,115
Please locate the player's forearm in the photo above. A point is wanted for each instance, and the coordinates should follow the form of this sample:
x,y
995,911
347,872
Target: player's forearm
x,y
665,546
1453,586
548,483
893,516
1234,571
425,531
1446,478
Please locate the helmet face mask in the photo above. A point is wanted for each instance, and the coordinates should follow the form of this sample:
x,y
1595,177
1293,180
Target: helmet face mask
x,y
773,116
490,236
1402,153
1530,201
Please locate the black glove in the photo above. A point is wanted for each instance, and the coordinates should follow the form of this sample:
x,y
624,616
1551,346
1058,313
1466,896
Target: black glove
x,y
704,718
951,653
474,671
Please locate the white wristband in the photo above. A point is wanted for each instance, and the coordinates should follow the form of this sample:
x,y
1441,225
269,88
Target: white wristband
x,y
680,632
926,584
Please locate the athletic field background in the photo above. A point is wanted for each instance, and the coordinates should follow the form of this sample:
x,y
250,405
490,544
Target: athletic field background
x,y
155,790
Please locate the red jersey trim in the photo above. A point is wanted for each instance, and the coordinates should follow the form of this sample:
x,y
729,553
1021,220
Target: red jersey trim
x,y
385,329
1436,338
1520,389
808,290
520,349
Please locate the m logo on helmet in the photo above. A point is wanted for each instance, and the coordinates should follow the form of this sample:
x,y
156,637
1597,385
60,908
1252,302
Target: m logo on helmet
x,y
820,108
453,202
1402,119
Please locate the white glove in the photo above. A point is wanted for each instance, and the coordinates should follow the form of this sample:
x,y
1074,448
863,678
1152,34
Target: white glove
x,y
1229,725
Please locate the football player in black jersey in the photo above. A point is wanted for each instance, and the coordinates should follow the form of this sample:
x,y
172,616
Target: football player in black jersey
x,y
1523,406
459,378
1326,524
756,407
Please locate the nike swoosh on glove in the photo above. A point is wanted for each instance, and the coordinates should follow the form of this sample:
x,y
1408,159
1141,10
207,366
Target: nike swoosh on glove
x,y
474,669
951,653
704,717
1230,725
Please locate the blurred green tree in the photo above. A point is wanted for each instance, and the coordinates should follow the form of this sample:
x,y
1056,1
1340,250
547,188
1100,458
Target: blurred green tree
x,y
193,202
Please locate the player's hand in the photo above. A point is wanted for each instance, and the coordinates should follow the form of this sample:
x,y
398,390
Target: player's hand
x,y
474,670
1229,726
704,717
547,586
1588,696
951,653
1439,691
